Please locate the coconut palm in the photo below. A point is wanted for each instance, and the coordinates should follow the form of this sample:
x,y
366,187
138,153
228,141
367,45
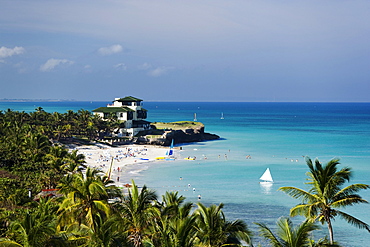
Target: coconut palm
x,y
214,230
173,205
173,232
74,162
36,146
83,121
137,211
55,160
36,228
287,235
86,199
173,225
326,195
107,233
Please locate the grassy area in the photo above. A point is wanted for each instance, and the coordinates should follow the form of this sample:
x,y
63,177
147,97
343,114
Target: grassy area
x,y
179,125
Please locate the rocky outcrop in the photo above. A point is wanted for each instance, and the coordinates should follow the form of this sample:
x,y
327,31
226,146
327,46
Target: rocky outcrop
x,y
184,136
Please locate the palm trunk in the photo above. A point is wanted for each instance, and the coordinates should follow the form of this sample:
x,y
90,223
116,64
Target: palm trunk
x,y
330,228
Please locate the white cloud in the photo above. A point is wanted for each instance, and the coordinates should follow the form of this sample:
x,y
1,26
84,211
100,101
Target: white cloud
x,y
159,71
154,72
52,63
145,66
8,52
120,66
110,50
21,67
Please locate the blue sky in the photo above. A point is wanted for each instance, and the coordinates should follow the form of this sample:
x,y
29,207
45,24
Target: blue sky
x,y
230,50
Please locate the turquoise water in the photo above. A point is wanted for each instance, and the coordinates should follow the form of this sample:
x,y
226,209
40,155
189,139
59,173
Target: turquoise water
x,y
275,135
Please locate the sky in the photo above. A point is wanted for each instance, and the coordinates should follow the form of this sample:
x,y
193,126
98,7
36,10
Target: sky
x,y
172,50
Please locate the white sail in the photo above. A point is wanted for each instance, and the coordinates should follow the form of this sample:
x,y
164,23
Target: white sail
x,y
266,176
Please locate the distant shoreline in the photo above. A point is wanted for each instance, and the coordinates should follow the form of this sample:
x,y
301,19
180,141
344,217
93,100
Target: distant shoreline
x,y
161,101
36,100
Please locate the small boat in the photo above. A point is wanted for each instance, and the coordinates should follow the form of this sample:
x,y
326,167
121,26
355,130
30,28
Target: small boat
x,y
195,117
160,158
189,158
171,149
222,115
266,177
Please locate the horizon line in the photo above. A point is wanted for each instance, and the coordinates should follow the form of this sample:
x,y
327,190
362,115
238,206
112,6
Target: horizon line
x,y
187,101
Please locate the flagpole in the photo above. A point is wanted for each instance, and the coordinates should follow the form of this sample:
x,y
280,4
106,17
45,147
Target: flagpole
x,y
110,169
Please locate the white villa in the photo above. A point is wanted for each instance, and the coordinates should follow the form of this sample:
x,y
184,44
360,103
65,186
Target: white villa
x,y
129,111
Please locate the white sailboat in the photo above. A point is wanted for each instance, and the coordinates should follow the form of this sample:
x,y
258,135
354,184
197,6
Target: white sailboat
x,y
195,117
222,115
266,177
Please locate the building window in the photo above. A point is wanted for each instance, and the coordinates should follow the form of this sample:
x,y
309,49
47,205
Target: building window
x,y
130,115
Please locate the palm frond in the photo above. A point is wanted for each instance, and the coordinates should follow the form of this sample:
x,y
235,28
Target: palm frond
x,y
302,232
9,243
310,211
353,188
349,200
298,193
353,221
268,234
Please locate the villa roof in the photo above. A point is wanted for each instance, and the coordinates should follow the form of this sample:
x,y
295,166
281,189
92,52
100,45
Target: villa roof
x,y
113,109
129,99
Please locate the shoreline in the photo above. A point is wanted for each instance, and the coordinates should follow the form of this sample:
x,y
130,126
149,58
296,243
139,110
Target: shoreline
x,y
123,161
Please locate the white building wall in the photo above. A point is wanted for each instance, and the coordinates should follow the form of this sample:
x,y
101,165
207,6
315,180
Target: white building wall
x,y
116,103
128,123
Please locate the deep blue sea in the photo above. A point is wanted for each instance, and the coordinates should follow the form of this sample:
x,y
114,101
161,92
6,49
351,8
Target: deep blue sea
x,y
275,135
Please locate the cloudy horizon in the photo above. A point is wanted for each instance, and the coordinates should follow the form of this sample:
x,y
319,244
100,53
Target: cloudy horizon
x,y
283,51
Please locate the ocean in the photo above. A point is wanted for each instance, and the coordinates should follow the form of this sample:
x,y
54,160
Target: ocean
x,y
274,135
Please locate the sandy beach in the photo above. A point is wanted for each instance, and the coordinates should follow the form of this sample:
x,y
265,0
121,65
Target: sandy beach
x,y
125,160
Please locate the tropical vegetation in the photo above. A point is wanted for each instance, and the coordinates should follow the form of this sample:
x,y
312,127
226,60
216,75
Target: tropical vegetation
x,y
327,196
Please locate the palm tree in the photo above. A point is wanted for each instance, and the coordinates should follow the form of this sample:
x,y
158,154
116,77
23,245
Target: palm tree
x,y
83,121
137,210
86,199
287,235
55,159
74,162
326,195
173,203
214,230
36,146
36,228
173,225
173,232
